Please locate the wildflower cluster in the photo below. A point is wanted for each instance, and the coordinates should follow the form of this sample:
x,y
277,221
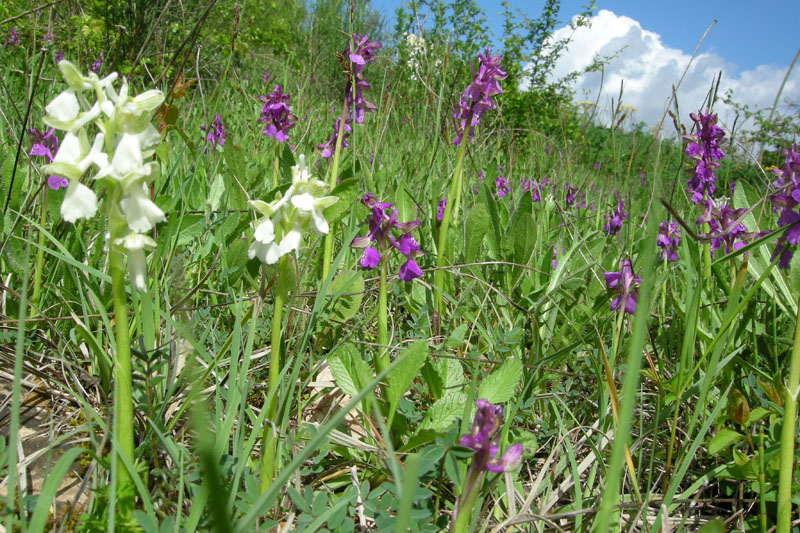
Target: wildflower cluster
x,y
45,144
624,284
216,133
276,115
477,97
614,220
527,184
359,52
440,208
502,184
704,148
724,227
571,193
417,49
283,221
12,37
381,225
788,197
329,146
98,63
669,235
483,440
128,136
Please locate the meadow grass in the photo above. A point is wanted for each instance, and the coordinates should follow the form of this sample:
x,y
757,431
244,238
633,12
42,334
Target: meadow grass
x,y
362,385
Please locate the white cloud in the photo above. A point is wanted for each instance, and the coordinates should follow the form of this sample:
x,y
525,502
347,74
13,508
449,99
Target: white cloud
x,y
649,69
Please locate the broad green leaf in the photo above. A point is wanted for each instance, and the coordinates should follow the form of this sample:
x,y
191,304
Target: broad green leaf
x,y
456,338
346,191
475,230
346,291
715,526
411,360
235,159
499,387
451,373
405,205
444,412
349,371
724,438
342,376
215,194
495,232
524,234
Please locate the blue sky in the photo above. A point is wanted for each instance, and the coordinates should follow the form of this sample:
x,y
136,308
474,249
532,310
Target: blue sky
x,y
747,33
752,45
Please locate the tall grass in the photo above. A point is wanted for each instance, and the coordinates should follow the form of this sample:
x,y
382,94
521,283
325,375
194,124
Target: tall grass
x,y
699,368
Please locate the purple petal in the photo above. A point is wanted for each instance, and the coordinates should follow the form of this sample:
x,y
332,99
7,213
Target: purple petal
x,y
370,258
630,303
409,270
56,182
612,279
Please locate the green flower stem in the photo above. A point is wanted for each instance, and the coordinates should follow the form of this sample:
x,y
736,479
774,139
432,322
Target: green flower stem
x,y
123,399
328,241
463,509
37,274
787,435
275,165
450,212
614,398
382,361
269,439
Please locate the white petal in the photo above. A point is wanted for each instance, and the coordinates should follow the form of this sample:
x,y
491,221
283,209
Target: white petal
x,y
128,155
300,172
136,241
320,224
79,202
303,201
107,108
258,249
137,267
71,150
64,107
272,254
265,231
140,212
148,137
290,241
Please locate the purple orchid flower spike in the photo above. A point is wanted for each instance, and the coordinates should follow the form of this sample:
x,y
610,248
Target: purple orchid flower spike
x,y
483,440
624,284
46,145
360,52
669,235
98,63
704,148
502,186
379,239
440,208
571,192
724,228
477,97
329,146
12,37
276,115
216,132
788,197
614,220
